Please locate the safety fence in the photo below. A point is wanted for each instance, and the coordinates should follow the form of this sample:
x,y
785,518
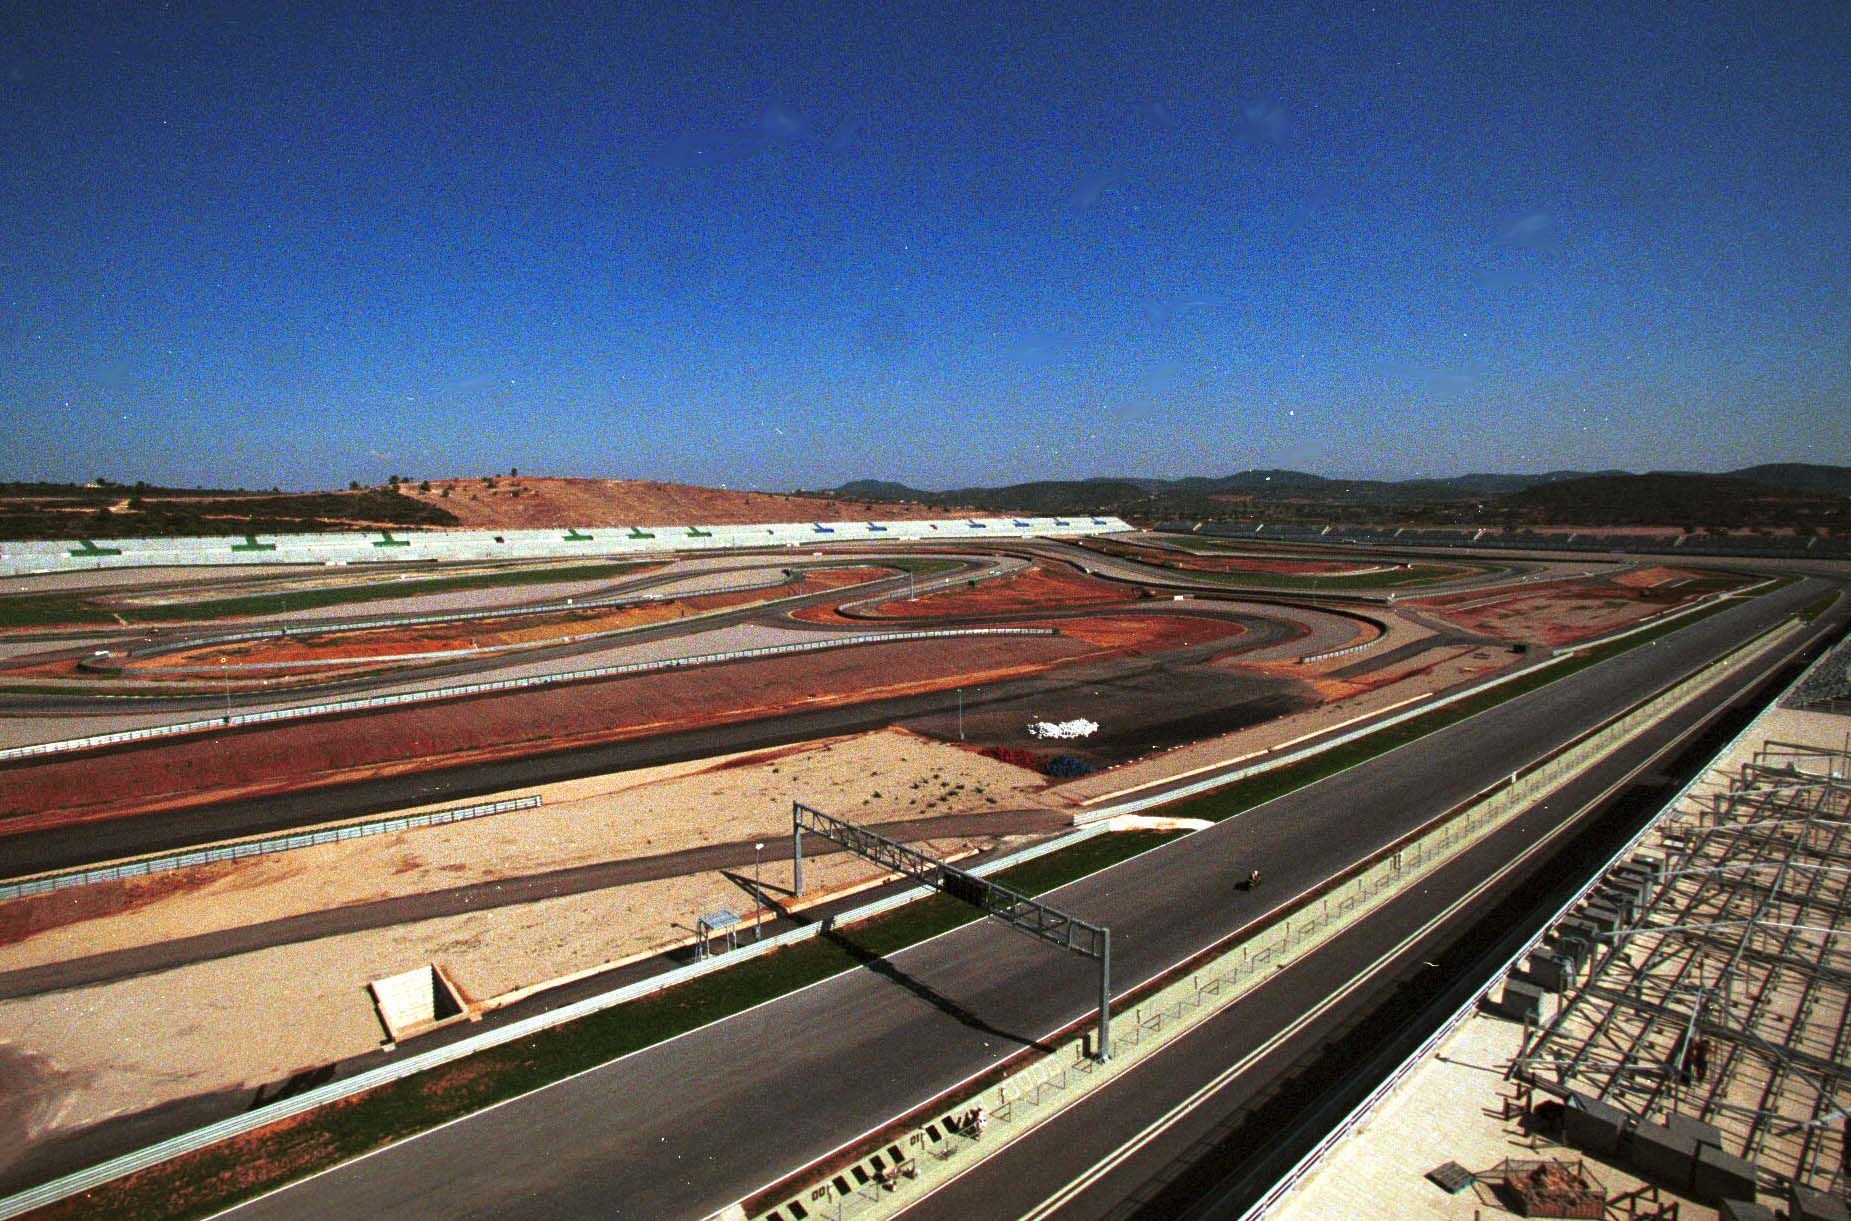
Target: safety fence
x,y
505,684
257,847
941,1149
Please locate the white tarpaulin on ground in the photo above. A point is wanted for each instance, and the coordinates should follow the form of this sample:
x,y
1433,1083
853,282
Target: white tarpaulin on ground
x,y
1080,728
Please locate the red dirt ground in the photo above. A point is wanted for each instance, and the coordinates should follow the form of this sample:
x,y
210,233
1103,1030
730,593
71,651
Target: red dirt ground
x,y
1036,588
1143,633
194,771
21,918
1563,612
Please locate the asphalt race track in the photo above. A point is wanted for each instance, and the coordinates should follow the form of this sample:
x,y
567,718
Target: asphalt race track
x,y
686,1127
82,844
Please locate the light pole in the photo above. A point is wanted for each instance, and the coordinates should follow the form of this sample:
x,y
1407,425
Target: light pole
x,y
758,923
225,669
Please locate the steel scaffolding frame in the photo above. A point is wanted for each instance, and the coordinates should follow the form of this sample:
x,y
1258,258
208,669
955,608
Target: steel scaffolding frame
x,y
1727,995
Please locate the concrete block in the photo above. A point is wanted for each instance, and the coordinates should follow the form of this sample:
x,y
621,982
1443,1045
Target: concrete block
x,y
1626,901
1579,926
1593,1126
1661,1155
1809,1205
416,1001
1743,1210
1630,872
1571,948
1604,918
1721,1176
1522,1001
1550,972
1703,1133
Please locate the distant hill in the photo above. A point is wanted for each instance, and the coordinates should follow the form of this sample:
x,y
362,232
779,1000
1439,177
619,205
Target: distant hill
x,y
1047,497
880,489
49,511
1778,495
1800,477
488,502
1669,500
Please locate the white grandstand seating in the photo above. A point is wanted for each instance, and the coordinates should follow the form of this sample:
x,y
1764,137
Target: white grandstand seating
x,y
21,558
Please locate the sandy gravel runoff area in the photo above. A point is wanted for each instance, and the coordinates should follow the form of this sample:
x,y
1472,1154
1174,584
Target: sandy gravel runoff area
x,y
255,1018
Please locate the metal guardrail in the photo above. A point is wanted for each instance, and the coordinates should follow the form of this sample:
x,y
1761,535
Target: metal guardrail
x,y
256,847
1343,652
506,684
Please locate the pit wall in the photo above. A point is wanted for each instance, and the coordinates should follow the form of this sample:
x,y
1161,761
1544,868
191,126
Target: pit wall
x,y
914,1163
21,558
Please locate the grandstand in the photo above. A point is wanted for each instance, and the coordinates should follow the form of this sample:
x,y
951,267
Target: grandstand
x,y
400,546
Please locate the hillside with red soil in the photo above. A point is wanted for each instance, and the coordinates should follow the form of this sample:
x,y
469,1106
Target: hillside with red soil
x,y
526,503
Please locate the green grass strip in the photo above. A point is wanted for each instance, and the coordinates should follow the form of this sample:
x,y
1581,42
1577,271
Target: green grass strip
x,y
919,567
1818,606
200,1183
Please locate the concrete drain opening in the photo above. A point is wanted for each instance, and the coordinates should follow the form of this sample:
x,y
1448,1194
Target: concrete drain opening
x,y
416,1001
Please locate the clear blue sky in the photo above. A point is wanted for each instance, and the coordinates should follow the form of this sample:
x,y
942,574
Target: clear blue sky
x,y
299,244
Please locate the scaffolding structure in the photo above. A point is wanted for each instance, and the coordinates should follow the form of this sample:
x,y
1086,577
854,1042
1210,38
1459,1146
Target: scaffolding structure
x,y
1724,995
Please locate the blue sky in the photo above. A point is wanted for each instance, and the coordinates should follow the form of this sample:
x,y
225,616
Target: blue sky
x,y
297,245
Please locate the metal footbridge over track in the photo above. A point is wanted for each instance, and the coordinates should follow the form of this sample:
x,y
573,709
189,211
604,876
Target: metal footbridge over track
x,y
1017,910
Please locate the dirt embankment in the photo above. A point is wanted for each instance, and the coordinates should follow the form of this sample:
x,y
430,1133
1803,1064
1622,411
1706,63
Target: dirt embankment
x,y
518,503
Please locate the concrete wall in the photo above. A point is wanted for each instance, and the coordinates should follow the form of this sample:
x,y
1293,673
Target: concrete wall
x,y
18,558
